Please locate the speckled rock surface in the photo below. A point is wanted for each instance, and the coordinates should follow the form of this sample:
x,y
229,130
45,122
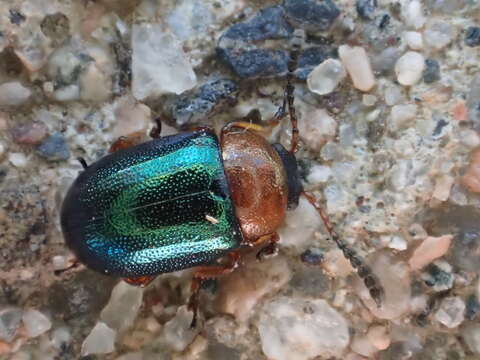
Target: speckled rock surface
x,y
389,145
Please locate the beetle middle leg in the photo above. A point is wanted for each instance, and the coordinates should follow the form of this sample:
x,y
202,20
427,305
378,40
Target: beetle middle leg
x,y
208,272
270,248
363,270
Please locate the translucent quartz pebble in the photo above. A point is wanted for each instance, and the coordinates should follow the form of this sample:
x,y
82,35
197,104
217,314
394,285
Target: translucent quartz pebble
x,y
409,68
326,76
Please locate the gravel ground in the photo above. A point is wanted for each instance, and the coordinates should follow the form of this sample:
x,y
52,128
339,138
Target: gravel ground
x,y
388,99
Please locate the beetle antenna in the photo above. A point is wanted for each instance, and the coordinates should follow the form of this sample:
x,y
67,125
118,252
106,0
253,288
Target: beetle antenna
x,y
82,162
289,97
364,271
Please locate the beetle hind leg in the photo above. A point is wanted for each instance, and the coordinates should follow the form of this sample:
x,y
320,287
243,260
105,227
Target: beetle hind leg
x,y
208,272
363,270
140,281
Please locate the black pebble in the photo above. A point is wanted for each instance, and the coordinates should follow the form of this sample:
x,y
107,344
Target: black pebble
x,y
472,36
312,15
366,9
432,71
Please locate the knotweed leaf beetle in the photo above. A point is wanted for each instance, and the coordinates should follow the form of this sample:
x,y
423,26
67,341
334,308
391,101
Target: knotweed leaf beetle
x,y
189,199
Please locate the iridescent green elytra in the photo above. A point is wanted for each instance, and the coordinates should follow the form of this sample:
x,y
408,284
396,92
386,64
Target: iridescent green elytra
x,y
157,207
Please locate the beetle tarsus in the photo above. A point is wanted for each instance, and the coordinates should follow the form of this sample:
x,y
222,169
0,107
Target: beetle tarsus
x,y
363,270
156,130
82,162
68,268
269,249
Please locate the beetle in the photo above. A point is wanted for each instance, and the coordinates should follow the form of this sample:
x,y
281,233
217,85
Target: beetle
x,y
188,200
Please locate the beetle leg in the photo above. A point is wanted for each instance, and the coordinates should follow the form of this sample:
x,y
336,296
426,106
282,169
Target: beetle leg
x,y
270,248
124,142
370,280
68,268
140,281
82,162
208,272
156,130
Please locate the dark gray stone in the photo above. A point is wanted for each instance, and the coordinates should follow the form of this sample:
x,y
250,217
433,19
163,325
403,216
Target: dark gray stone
x,y
312,57
10,321
472,36
438,278
54,148
195,105
312,256
472,307
255,63
311,15
432,71
268,23
366,9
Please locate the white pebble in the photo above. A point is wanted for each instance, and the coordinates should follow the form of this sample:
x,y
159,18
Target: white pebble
x,y
177,334
319,174
439,34
443,186
369,100
379,336
326,77
123,306
13,93
413,39
18,160
35,323
451,312
471,335
402,116
409,68
412,13
300,225
430,249
358,66
159,65
316,127
101,340
60,337
393,95
293,328
397,243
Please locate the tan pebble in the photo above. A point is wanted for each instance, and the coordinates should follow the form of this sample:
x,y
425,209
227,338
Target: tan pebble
x,y
5,347
358,66
336,264
245,287
471,179
438,95
379,337
460,111
443,186
94,14
430,249
30,134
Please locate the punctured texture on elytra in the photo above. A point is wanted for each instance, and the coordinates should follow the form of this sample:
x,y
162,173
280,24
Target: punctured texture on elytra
x,y
157,207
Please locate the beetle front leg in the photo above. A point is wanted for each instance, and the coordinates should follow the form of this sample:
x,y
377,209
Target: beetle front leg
x,y
140,281
209,272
